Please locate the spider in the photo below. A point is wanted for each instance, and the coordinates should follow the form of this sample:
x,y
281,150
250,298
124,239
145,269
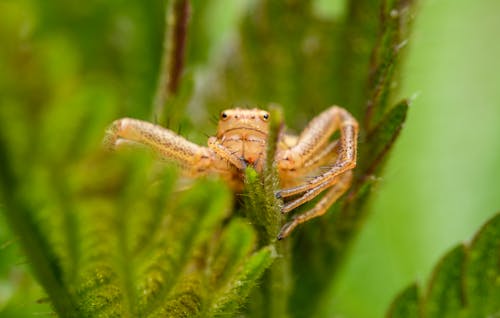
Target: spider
x,y
308,164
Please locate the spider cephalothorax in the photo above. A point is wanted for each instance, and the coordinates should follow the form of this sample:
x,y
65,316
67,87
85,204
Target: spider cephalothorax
x,y
241,141
242,133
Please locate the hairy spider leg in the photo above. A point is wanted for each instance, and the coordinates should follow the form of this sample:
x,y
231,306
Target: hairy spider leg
x,y
193,159
308,195
329,152
225,153
323,126
320,161
332,195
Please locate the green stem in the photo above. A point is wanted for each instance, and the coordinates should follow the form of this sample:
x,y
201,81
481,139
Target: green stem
x,y
278,285
264,210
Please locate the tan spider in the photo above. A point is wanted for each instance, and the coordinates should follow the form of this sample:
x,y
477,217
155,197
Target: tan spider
x,y
241,141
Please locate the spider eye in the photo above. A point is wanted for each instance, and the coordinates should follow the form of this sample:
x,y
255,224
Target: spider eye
x,y
265,116
223,115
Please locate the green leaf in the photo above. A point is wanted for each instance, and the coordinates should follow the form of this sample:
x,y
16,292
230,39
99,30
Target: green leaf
x,y
445,296
233,294
482,271
237,241
396,18
381,139
187,299
21,218
192,224
465,282
405,305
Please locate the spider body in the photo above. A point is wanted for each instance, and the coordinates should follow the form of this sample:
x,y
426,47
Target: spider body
x,y
241,141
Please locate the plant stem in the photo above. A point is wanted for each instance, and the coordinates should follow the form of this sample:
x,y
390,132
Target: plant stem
x,y
174,48
264,210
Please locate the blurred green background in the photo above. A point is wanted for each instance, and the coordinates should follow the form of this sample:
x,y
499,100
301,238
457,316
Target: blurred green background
x,y
443,178
440,184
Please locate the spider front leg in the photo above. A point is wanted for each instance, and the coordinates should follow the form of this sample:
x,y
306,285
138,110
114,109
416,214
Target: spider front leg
x,y
310,143
216,145
193,159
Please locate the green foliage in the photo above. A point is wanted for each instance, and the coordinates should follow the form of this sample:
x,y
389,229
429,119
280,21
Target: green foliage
x,y
128,244
406,303
465,282
120,234
108,234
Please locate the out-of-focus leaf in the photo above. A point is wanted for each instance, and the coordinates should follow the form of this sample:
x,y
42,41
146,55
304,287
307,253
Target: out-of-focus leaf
x,y
38,249
465,283
187,299
396,18
481,277
444,296
380,140
405,305
237,241
234,294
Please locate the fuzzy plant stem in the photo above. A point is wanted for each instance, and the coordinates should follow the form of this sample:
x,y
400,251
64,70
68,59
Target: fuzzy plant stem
x,y
263,208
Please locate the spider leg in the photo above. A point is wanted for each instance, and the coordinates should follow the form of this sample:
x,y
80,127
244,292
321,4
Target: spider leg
x,y
314,163
319,162
192,158
316,133
322,158
344,181
308,195
225,153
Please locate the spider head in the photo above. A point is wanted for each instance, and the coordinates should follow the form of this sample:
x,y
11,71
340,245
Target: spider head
x,y
243,122
244,133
